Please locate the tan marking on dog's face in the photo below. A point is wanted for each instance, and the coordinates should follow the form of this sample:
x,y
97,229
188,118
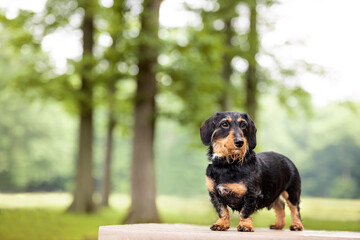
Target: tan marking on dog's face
x,y
229,119
237,188
239,120
209,184
225,147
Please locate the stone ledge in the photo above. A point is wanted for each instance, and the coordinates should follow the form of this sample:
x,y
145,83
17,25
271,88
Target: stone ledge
x,y
183,231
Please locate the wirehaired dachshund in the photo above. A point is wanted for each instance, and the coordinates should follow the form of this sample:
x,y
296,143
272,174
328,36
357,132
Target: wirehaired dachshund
x,y
239,178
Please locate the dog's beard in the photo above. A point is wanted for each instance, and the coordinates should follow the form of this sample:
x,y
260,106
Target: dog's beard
x,y
225,147
231,155
236,157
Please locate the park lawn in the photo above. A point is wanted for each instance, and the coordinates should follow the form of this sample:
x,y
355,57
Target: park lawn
x,y
42,215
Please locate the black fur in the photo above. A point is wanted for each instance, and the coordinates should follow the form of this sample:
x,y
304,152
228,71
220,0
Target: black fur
x,y
266,175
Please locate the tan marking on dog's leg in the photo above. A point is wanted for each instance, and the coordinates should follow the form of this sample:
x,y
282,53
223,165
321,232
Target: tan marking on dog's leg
x,y
209,184
237,188
296,223
223,223
245,224
285,195
278,207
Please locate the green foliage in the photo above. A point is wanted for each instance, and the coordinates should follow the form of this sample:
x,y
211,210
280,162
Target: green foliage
x,y
21,62
200,65
36,153
334,171
325,147
328,165
180,168
40,137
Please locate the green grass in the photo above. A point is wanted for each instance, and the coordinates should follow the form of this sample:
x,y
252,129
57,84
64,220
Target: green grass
x,y
42,215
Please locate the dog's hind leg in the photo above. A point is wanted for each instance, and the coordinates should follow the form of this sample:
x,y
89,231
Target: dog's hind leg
x,y
279,207
293,203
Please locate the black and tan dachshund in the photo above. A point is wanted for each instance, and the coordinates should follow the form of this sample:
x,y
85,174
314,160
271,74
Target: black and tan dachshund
x,y
243,180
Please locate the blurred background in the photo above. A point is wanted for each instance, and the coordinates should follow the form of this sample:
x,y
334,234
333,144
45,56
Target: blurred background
x,y
101,102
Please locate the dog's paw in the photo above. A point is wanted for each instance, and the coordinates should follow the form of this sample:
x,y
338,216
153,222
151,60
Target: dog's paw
x,y
296,227
219,227
275,227
245,228
245,225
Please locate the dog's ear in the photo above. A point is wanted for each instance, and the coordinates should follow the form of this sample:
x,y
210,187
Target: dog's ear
x,y
206,130
251,132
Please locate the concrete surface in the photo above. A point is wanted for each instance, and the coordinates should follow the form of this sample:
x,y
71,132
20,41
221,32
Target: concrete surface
x,y
183,231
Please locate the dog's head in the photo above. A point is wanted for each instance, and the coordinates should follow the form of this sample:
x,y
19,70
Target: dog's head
x,y
231,134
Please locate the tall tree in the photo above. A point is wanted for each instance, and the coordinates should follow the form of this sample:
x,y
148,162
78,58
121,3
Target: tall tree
x,y
106,181
121,59
220,22
226,67
251,79
76,89
66,88
111,79
84,186
143,191
232,43
59,87
202,74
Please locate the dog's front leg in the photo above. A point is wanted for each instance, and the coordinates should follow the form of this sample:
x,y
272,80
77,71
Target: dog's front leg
x,y
246,223
223,223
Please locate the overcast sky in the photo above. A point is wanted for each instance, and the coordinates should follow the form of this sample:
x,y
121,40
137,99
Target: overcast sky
x,y
329,30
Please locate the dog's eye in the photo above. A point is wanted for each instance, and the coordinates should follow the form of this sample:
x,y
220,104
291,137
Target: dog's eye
x,y
243,125
225,124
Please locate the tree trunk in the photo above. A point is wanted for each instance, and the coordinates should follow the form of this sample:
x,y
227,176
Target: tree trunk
x,y
143,192
84,186
251,74
225,103
111,85
106,184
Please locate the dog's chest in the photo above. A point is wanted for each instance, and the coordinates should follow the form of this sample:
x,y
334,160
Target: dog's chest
x,y
232,194
237,189
229,184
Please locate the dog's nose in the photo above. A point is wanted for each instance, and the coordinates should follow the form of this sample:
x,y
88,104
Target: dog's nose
x,y
239,142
